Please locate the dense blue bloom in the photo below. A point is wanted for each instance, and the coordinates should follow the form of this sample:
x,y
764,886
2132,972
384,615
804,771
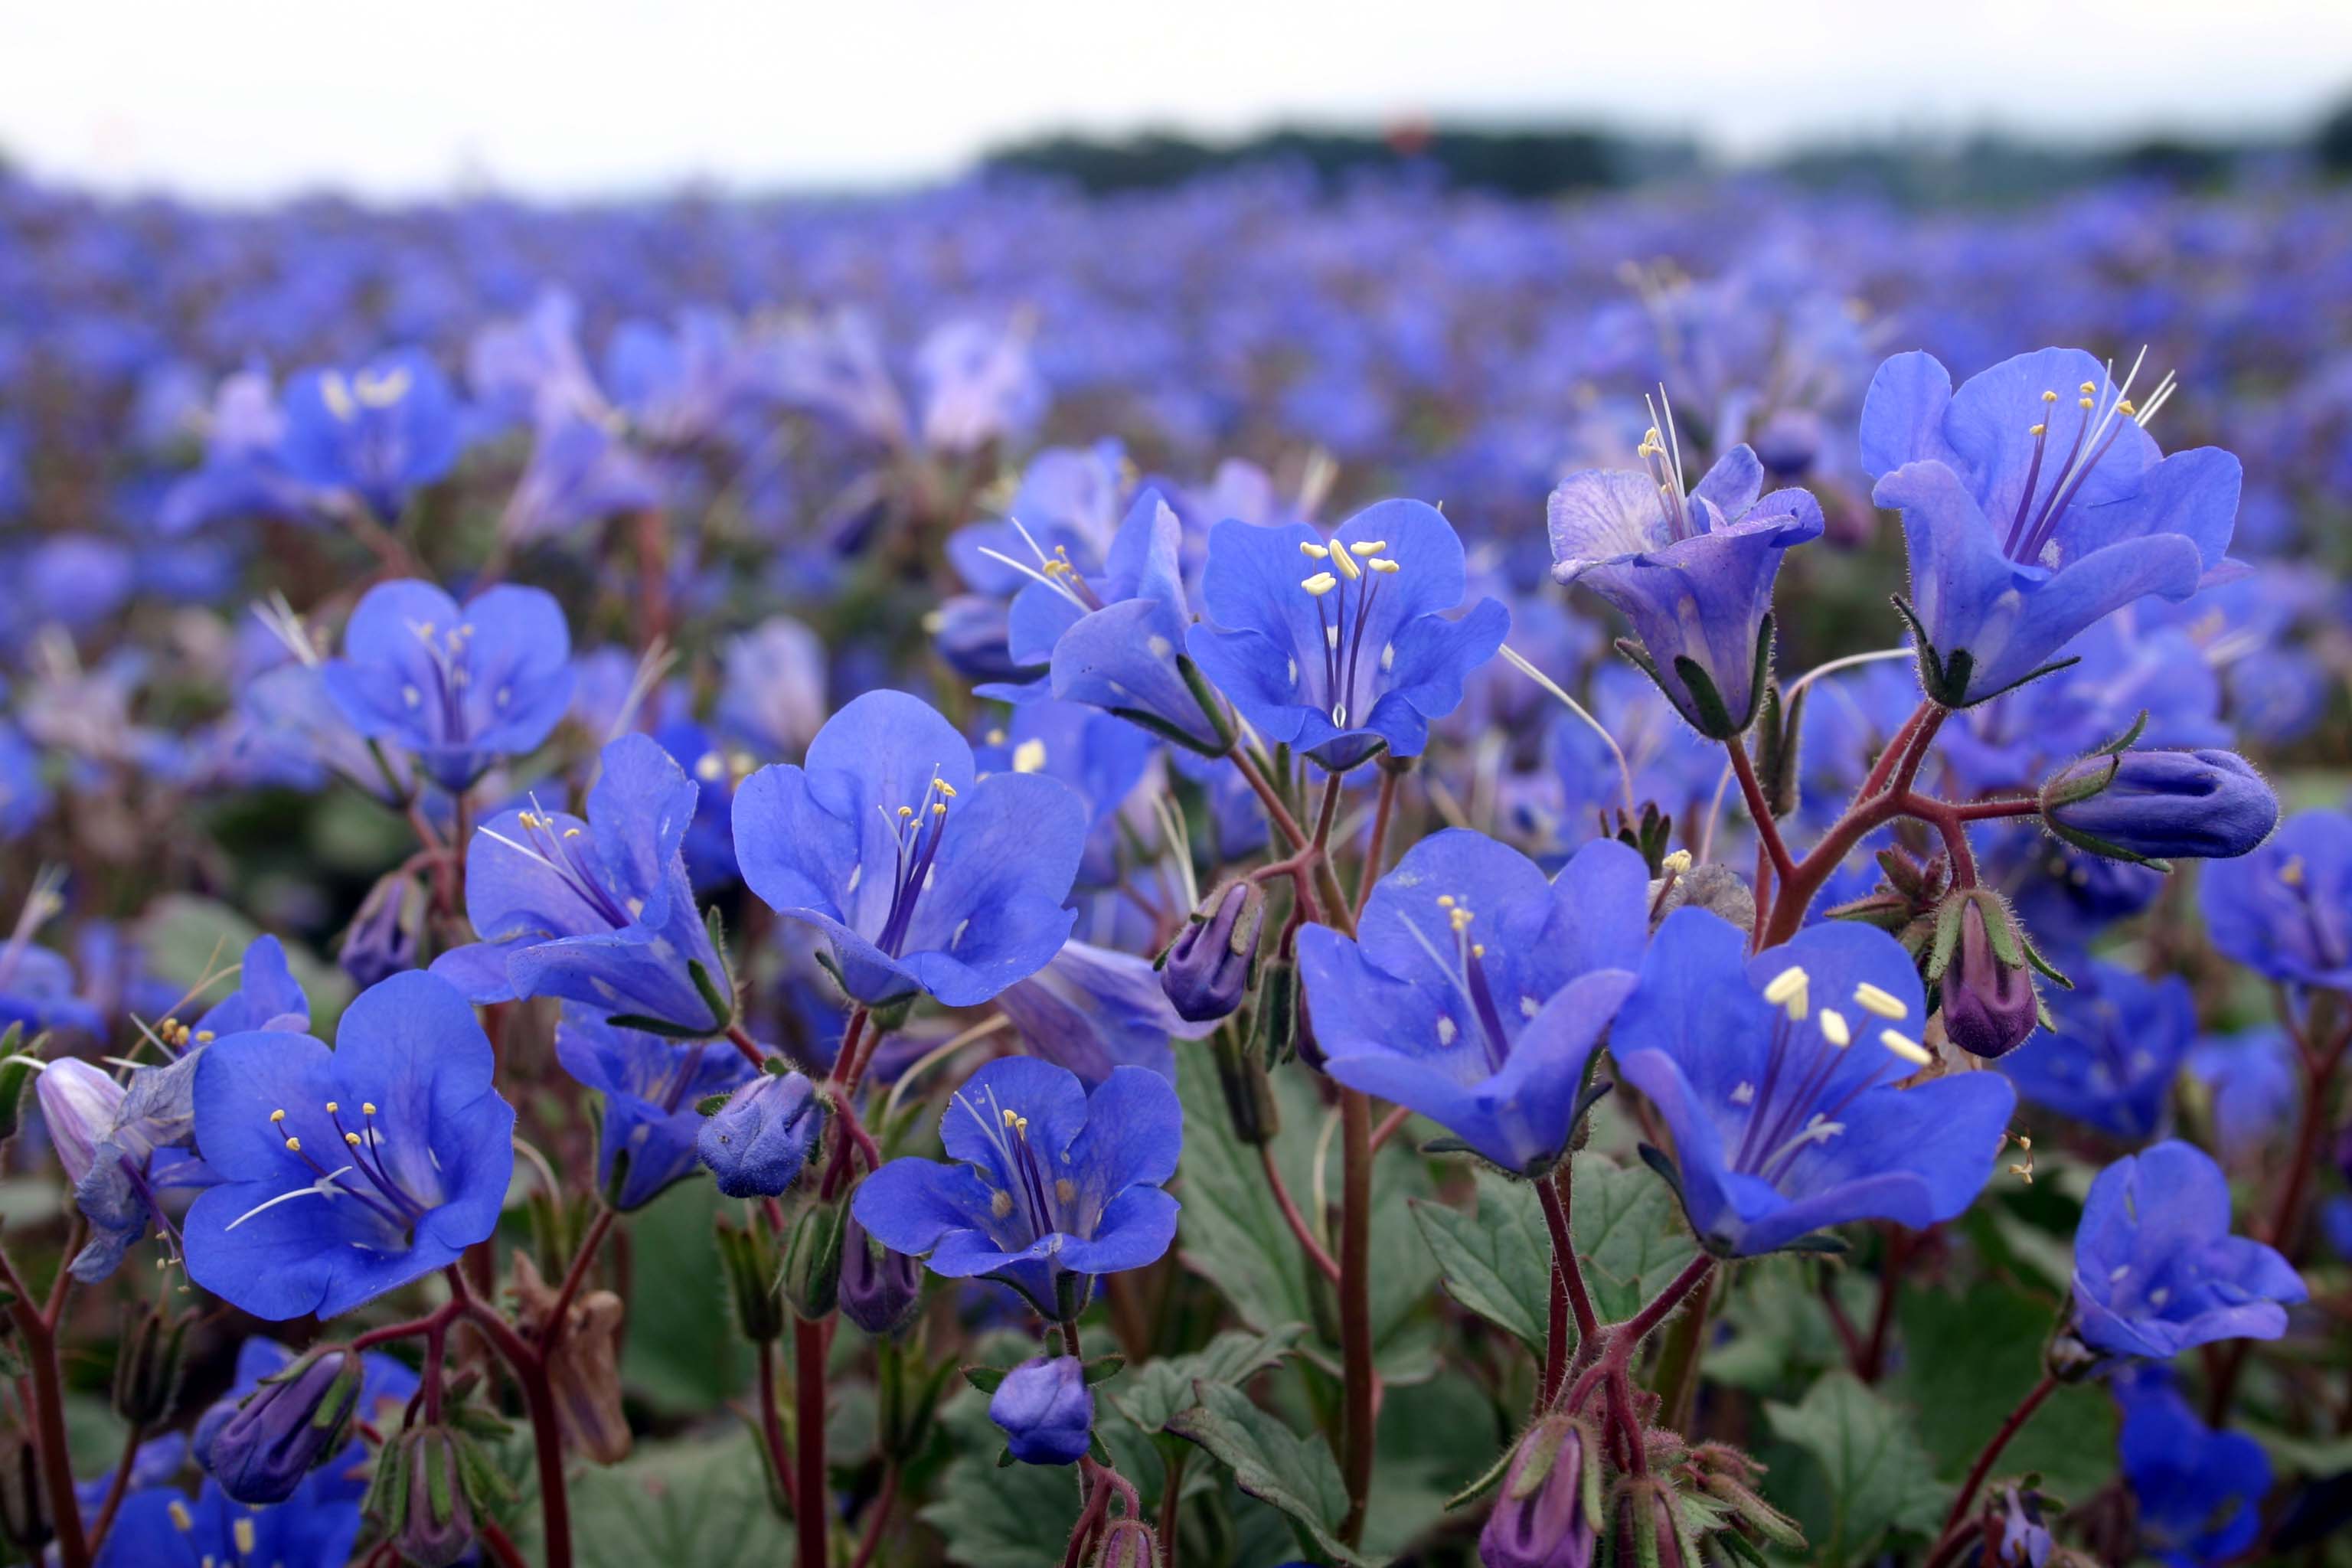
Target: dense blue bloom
x,y
348,1173
2158,1272
24,794
377,433
1048,1181
36,986
458,688
598,911
1045,1410
1778,1076
1359,651
771,692
920,876
1476,987
1101,758
2285,910
2156,806
1694,574
2200,1491
2033,504
165,1528
2117,1046
1091,1009
756,1143
2256,1081
648,1126
1066,508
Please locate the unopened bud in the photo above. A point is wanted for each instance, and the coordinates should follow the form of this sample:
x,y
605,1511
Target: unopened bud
x,y
79,1103
289,1425
422,1498
813,1261
1989,1001
380,943
754,1280
1045,1410
2160,805
1129,1543
1545,1514
1206,971
881,1290
147,1365
756,1143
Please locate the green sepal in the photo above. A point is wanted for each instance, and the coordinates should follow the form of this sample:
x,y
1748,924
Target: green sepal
x,y
1213,705
986,1379
1488,1479
16,1074
1103,1368
712,1104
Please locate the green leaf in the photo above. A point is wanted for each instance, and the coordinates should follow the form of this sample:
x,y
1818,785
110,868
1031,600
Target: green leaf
x,y
1968,1360
680,1350
1233,1232
1629,1230
1161,1388
700,1504
1880,1477
1272,1463
1016,1516
1497,1259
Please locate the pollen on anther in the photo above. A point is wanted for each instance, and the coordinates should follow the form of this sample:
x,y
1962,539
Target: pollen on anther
x,y
277,1116
294,1145
353,1138
1314,551
181,1518
2049,397
333,1108
1904,1046
1369,547
367,1108
1833,1029
1882,1003
1320,584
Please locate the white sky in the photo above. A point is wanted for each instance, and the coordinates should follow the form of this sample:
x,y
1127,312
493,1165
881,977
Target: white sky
x,y
248,98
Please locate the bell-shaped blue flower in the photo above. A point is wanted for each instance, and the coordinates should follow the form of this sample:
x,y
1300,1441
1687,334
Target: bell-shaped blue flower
x,y
2033,505
1335,647
2111,1062
1099,756
1092,1009
652,1087
377,432
457,688
2285,910
1044,1181
2156,1268
598,913
1693,573
1045,1410
756,1143
1778,1075
349,1173
165,1528
2200,1492
920,876
1476,987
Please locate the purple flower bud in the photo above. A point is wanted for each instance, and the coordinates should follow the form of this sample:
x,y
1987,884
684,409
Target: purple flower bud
x,y
378,945
1207,971
79,1103
1540,1518
2155,805
434,1526
1045,1410
880,1290
260,1450
1990,1006
1129,1543
757,1142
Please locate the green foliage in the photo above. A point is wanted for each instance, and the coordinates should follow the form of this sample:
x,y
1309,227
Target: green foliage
x,y
1879,1477
1968,1359
680,1352
1273,1464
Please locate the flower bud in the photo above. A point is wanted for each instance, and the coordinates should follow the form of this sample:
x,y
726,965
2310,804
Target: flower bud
x,y
79,1103
1045,1410
813,1261
421,1497
1989,1001
379,944
1544,1515
1129,1544
1206,971
881,1290
750,1259
756,1143
284,1429
147,1365
2158,805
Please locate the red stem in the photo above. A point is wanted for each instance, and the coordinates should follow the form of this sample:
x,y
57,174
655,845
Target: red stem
x,y
1356,1306
1977,1472
116,1488
1316,1253
879,1516
38,1337
1557,1192
576,1275
772,1427
811,1509
538,1397
1743,768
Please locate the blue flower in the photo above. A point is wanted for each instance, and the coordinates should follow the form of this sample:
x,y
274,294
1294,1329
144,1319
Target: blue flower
x,y
1357,653
2033,505
2256,1083
2111,1062
386,1386
1045,1410
2156,805
1066,508
164,1528
1476,988
459,689
2200,1491
377,433
2158,1272
2285,910
1694,574
1092,1010
1117,641
24,794
756,1143
1049,1183
348,1173
921,877
1101,757
36,986
598,911
1777,1075
652,1086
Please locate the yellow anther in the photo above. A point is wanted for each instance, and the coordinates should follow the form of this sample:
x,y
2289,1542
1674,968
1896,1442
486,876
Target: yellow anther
x,y
1477,950
1369,547
2049,397
353,1138
333,1108
243,1530
1444,901
905,811
2292,872
181,1518
1000,1203
1884,1003
946,788
2125,407
277,1116
204,1037
1679,862
1320,584
1314,552
1833,1029
294,1145
939,808
2085,404
367,1108
571,832
2039,430
1904,1046
1384,565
